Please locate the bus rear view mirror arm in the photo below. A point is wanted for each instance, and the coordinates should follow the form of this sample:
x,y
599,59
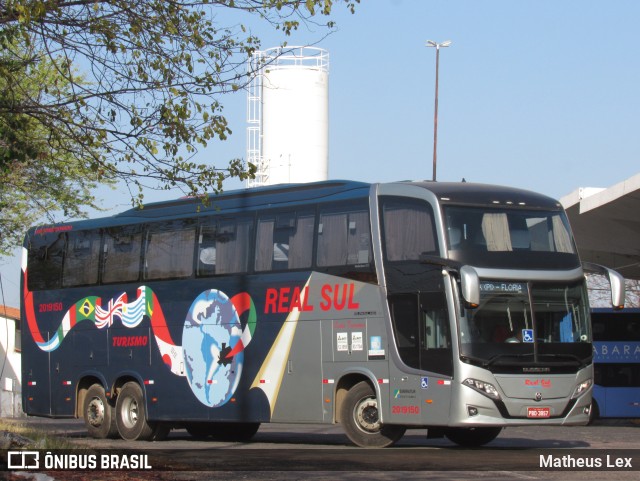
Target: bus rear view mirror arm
x,y
616,281
469,279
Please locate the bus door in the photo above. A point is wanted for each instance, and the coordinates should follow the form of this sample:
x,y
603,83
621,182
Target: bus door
x,y
90,347
36,383
421,384
301,393
62,380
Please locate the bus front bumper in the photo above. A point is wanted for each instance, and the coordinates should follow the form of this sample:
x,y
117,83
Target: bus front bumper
x,y
479,410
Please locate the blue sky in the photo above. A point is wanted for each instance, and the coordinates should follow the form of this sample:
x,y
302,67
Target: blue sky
x,y
543,95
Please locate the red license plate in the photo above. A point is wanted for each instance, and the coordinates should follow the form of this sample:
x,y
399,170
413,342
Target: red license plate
x,y
538,412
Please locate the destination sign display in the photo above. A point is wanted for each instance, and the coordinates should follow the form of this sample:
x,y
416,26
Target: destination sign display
x,y
499,287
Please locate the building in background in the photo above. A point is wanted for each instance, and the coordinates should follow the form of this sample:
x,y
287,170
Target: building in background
x,y
288,116
10,363
606,225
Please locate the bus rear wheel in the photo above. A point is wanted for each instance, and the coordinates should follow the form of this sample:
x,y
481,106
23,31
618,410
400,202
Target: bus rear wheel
x,y
472,437
361,419
98,414
131,414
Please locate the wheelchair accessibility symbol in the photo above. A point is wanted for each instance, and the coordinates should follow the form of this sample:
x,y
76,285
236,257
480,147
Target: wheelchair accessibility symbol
x,y
527,335
424,382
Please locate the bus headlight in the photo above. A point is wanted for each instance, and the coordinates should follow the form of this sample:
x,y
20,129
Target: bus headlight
x,y
482,387
580,388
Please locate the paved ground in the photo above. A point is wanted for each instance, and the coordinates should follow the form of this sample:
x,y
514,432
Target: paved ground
x,y
322,452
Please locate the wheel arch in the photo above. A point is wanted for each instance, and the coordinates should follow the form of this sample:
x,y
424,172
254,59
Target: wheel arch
x,y
346,382
84,383
126,377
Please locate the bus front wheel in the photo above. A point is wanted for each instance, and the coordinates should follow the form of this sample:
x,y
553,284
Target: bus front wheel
x,y
98,414
594,413
360,419
131,414
472,437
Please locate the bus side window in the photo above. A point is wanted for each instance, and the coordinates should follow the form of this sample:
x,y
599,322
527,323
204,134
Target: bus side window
x,y
45,260
435,336
436,329
207,250
409,229
121,259
234,245
284,241
169,250
421,330
404,316
224,246
81,260
344,238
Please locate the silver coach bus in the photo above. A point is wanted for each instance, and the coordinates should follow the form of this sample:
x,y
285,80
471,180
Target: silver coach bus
x,y
457,307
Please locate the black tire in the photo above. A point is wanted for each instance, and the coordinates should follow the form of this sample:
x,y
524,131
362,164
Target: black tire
x,y
98,414
160,431
472,437
200,430
241,432
361,420
131,415
594,413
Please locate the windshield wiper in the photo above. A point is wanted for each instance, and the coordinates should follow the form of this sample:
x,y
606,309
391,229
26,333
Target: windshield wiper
x,y
498,357
475,360
495,358
572,357
492,360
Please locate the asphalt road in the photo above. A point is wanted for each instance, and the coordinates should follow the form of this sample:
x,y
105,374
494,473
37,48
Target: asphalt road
x,y
286,451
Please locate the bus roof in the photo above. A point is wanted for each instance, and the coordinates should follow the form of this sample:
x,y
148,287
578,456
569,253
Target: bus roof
x,y
469,193
272,196
458,193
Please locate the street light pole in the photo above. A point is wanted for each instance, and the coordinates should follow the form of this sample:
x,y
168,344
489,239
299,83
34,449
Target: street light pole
x,y
431,43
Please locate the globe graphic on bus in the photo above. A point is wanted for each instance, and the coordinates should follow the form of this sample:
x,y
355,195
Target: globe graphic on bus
x,y
211,330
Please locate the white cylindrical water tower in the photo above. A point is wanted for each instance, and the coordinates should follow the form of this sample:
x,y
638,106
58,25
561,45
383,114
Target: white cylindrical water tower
x,y
294,116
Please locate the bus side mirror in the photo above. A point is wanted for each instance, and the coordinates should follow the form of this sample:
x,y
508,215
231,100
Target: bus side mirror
x,y
617,289
470,285
616,282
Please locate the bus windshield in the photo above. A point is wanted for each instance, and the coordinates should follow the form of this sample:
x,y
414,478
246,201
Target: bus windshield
x,y
527,323
509,237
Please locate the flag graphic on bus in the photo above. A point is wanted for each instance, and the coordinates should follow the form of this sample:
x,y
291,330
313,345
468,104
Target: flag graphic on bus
x,y
213,340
